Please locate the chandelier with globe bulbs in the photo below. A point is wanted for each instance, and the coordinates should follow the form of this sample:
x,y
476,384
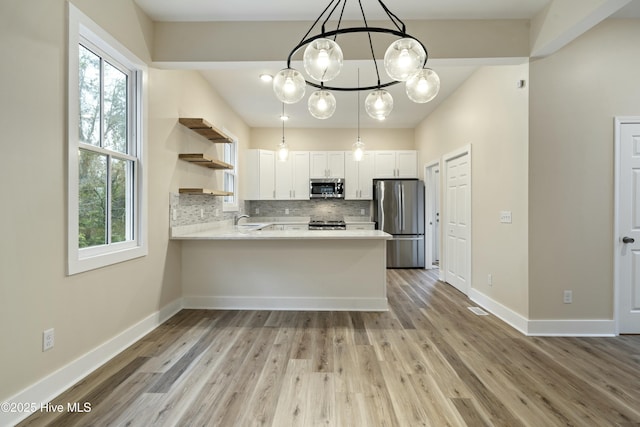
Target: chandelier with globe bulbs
x,y
404,61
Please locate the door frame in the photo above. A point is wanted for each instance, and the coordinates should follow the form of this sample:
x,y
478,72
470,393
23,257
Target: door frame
x,y
464,150
617,262
428,208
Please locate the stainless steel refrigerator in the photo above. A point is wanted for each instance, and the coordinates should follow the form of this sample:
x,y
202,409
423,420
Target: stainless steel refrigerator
x,y
398,209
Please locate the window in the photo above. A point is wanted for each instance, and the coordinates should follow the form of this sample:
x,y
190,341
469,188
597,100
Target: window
x,y
230,203
107,215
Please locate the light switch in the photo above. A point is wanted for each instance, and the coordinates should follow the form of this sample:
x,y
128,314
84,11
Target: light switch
x,y
505,217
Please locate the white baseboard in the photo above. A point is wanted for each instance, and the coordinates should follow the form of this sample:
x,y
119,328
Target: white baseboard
x,y
52,385
572,328
288,303
515,320
552,328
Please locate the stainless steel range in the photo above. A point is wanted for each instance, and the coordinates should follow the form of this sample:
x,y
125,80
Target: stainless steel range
x,y
327,225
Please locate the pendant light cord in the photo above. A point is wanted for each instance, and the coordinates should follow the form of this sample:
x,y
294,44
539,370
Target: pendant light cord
x,y
358,105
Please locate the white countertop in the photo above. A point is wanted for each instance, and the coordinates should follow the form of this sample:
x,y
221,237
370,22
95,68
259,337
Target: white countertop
x,y
233,233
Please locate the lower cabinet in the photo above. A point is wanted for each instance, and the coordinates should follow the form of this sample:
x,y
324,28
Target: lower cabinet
x,y
283,227
369,226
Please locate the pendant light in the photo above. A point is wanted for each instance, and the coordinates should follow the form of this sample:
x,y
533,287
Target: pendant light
x,y
323,60
378,104
358,146
322,104
423,86
283,148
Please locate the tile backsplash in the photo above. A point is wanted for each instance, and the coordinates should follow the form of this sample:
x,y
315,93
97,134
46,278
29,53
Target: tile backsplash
x,y
316,209
189,209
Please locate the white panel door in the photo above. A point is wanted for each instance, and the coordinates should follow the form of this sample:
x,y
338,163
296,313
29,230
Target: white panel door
x,y
384,164
458,221
318,164
267,175
351,177
335,164
407,164
300,171
628,247
284,176
365,173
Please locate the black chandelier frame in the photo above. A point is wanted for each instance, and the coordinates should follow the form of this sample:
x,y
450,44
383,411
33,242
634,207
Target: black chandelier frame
x,y
333,5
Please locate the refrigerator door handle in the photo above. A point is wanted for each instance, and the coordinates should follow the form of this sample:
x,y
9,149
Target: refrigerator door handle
x,y
407,238
402,213
380,195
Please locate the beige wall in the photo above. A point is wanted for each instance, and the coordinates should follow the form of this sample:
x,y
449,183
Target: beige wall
x,y
333,139
575,95
179,93
86,309
490,113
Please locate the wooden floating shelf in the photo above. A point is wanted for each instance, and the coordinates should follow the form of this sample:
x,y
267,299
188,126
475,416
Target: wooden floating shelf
x,y
204,191
202,160
206,129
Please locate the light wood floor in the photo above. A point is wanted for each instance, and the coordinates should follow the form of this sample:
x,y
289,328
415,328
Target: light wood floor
x,y
428,361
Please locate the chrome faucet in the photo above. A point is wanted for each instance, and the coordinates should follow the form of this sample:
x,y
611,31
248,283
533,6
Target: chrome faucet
x,y
238,218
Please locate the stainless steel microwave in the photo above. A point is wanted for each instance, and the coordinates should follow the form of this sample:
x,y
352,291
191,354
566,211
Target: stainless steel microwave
x,y
326,188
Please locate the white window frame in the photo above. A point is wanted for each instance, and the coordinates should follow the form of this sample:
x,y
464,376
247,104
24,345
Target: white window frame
x,y
82,28
231,206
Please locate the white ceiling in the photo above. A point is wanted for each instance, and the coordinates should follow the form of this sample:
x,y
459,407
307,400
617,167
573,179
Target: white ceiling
x,y
304,10
254,101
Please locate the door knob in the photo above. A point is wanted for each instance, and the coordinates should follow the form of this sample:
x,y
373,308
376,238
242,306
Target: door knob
x,y
628,239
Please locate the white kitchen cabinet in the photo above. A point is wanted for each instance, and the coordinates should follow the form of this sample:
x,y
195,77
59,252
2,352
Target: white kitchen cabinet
x,y
260,175
326,164
283,227
395,164
292,177
363,226
358,177
296,227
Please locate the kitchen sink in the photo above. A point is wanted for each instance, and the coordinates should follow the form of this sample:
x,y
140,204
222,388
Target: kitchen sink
x,y
251,226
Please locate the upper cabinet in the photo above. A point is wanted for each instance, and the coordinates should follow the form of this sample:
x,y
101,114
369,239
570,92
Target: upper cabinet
x,y
292,177
326,164
358,177
395,164
260,175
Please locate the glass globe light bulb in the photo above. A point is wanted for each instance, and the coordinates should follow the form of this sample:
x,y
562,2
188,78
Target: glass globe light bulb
x,y
289,85
283,151
358,150
403,58
323,60
378,104
423,86
322,104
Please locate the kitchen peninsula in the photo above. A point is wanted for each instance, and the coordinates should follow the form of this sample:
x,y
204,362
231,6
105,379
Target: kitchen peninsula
x,y
245,267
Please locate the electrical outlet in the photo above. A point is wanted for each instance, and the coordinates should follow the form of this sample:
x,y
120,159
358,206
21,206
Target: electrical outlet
x,y
47,339
286,211
257,211
568,297
505,217
490,279
175,214
217,212
361,211
201,213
